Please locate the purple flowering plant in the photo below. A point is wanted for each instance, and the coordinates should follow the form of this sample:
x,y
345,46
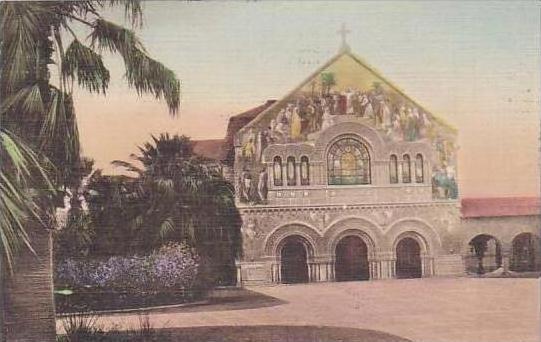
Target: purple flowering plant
x,y
172,267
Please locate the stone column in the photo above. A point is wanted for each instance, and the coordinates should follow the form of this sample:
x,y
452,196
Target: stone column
x,y
372,268
311,275
427,266
273,273
284,172
382,266
239,273
276,272
506,251
323,271
322,268
332,276
297,172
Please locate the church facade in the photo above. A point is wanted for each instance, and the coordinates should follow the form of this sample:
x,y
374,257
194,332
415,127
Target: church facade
x,y
348,178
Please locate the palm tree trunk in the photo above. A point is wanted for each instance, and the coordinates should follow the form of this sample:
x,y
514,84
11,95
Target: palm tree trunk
x,y
29,313
2,301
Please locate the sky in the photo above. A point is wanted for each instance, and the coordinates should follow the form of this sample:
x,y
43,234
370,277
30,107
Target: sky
x,y
475,64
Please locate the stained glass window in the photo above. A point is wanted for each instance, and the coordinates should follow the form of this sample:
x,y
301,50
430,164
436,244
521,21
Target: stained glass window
x,y
277,171
393,169
291,174
406,169
305,171
348,162
419,168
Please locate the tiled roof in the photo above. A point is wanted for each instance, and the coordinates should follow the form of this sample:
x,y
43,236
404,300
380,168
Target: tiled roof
x,y
222,150
211,149
235,124
500,206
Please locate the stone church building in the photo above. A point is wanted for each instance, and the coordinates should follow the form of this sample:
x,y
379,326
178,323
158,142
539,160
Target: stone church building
x,y
348,178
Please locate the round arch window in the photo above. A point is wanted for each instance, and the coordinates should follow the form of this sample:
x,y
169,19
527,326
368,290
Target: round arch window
x,y
348,162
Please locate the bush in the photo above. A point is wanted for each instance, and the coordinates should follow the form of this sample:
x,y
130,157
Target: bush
x,y
172,267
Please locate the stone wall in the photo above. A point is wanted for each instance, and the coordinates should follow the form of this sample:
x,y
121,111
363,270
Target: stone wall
x,y
380,226
504,228
437,226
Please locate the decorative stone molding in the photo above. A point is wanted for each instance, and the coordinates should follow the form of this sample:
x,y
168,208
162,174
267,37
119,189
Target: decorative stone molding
x,y
277,236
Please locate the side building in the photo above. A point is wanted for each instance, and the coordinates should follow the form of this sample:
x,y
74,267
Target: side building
x,y
348,178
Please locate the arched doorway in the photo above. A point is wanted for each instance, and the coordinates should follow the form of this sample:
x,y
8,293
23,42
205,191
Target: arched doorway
x,y
294,261
351,259
525,256
485,254
408,259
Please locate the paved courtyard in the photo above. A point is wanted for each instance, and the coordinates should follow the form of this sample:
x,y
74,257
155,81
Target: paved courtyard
x,y
429,310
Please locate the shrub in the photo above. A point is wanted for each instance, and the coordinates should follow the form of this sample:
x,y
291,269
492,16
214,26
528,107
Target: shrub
x,y
172,267
80,328
85,329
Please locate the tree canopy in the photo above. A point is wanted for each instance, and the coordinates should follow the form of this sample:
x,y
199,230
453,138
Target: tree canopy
x,y
37,114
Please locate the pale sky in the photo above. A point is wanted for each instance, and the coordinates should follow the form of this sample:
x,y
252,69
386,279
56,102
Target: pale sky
x,y
475,64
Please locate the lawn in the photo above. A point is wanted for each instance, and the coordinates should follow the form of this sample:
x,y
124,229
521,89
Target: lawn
x,y
92,300
260,333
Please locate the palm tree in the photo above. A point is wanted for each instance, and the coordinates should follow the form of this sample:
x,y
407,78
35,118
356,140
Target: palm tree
x,y
40,116
185,198
24,185
327,82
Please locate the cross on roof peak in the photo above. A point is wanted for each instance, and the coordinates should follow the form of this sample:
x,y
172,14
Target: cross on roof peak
x,y
343,33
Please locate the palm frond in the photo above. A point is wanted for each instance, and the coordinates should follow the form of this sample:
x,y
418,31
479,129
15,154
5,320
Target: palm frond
x,y
143,73
19,169
133,10
127,165
114,38
165,186
22,161
61,133
20,26
27,99
82,62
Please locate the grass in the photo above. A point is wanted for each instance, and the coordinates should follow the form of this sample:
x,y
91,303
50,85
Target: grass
x,y
85,329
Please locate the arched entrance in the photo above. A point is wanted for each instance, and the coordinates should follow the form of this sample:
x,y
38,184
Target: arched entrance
x,y
525,256
485,254
351,259
294,260
408,259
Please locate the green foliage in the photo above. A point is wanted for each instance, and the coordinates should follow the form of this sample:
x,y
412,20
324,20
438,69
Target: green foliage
x,y
21,171
42,115
185,195
172,196
327,82
143,73
80,328
76,238
83,63
87,329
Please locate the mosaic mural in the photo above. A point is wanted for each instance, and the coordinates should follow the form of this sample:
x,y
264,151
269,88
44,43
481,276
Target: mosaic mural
x,y
344,87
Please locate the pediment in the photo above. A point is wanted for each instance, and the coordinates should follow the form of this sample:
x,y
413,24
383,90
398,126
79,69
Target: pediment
x,y
347,91
346,86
